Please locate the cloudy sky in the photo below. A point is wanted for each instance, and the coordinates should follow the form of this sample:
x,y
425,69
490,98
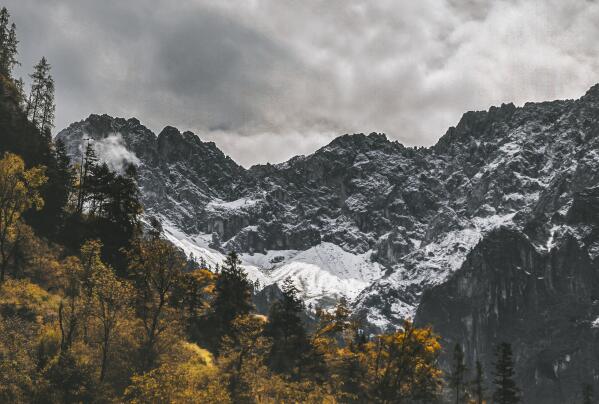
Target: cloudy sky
x,y
269,79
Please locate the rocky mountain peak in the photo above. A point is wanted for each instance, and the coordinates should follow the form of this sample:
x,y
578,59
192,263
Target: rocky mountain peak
x,y
359,142
592,93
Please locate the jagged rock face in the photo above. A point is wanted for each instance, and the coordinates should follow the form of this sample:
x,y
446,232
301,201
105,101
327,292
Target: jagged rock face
x,y
543,304
519,167
178,173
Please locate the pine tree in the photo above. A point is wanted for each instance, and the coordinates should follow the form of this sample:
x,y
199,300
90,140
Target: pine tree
x,y
39,86
20,96
458,373
290,342
86,169
506,391
233,298
477,385
8,44
48,106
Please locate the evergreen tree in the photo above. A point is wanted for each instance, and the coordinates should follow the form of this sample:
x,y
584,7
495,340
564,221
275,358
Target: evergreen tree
x,y
8,44
48,108
506,391
20,93
56,192
39,88
478,385
233,298
290,342
86,169
458,374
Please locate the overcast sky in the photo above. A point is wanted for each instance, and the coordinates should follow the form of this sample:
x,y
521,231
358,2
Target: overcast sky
x,y
269,79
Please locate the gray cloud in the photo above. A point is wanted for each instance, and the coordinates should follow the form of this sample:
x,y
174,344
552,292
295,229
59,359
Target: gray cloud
x,y
268,79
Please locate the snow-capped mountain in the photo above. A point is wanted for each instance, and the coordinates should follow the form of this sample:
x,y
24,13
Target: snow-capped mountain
x,y
398,219
484,228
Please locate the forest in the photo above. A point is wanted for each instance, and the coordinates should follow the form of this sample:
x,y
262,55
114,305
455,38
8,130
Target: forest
x,y
96,306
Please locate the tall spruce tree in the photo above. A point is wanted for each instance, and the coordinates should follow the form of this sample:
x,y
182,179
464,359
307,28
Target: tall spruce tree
x,y
290,342
506,391
233,298
48,107
39,88
86,171
458,375
8,44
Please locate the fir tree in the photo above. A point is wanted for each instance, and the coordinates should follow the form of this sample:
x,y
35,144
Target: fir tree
x,y
290,342
86,168
48,108
506,391
50,220
233,298
8,44
39,87
458,373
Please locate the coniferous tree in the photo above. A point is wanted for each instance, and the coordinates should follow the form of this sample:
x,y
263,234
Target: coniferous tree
x,y
478,388
39,86
20,93
506,391
8,44
458,374
232,298
290,342
48,107
56,192
86,169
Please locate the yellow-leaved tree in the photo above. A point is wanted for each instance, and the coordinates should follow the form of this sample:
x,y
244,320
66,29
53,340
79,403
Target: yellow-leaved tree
x,y
188,375
19,191
402,367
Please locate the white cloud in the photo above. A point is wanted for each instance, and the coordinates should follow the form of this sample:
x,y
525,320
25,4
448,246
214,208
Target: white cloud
x,y
112,151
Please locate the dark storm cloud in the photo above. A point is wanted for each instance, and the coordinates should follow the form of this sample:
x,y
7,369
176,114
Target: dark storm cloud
x,y
267,79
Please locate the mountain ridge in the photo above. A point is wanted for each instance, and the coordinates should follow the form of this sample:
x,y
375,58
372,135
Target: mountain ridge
x,y
361,192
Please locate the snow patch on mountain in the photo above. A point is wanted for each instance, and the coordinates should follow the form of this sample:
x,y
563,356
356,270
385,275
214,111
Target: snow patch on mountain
x,y
323,273
427,266
220,205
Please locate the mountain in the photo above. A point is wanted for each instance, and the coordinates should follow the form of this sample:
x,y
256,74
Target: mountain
x,y
490,234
